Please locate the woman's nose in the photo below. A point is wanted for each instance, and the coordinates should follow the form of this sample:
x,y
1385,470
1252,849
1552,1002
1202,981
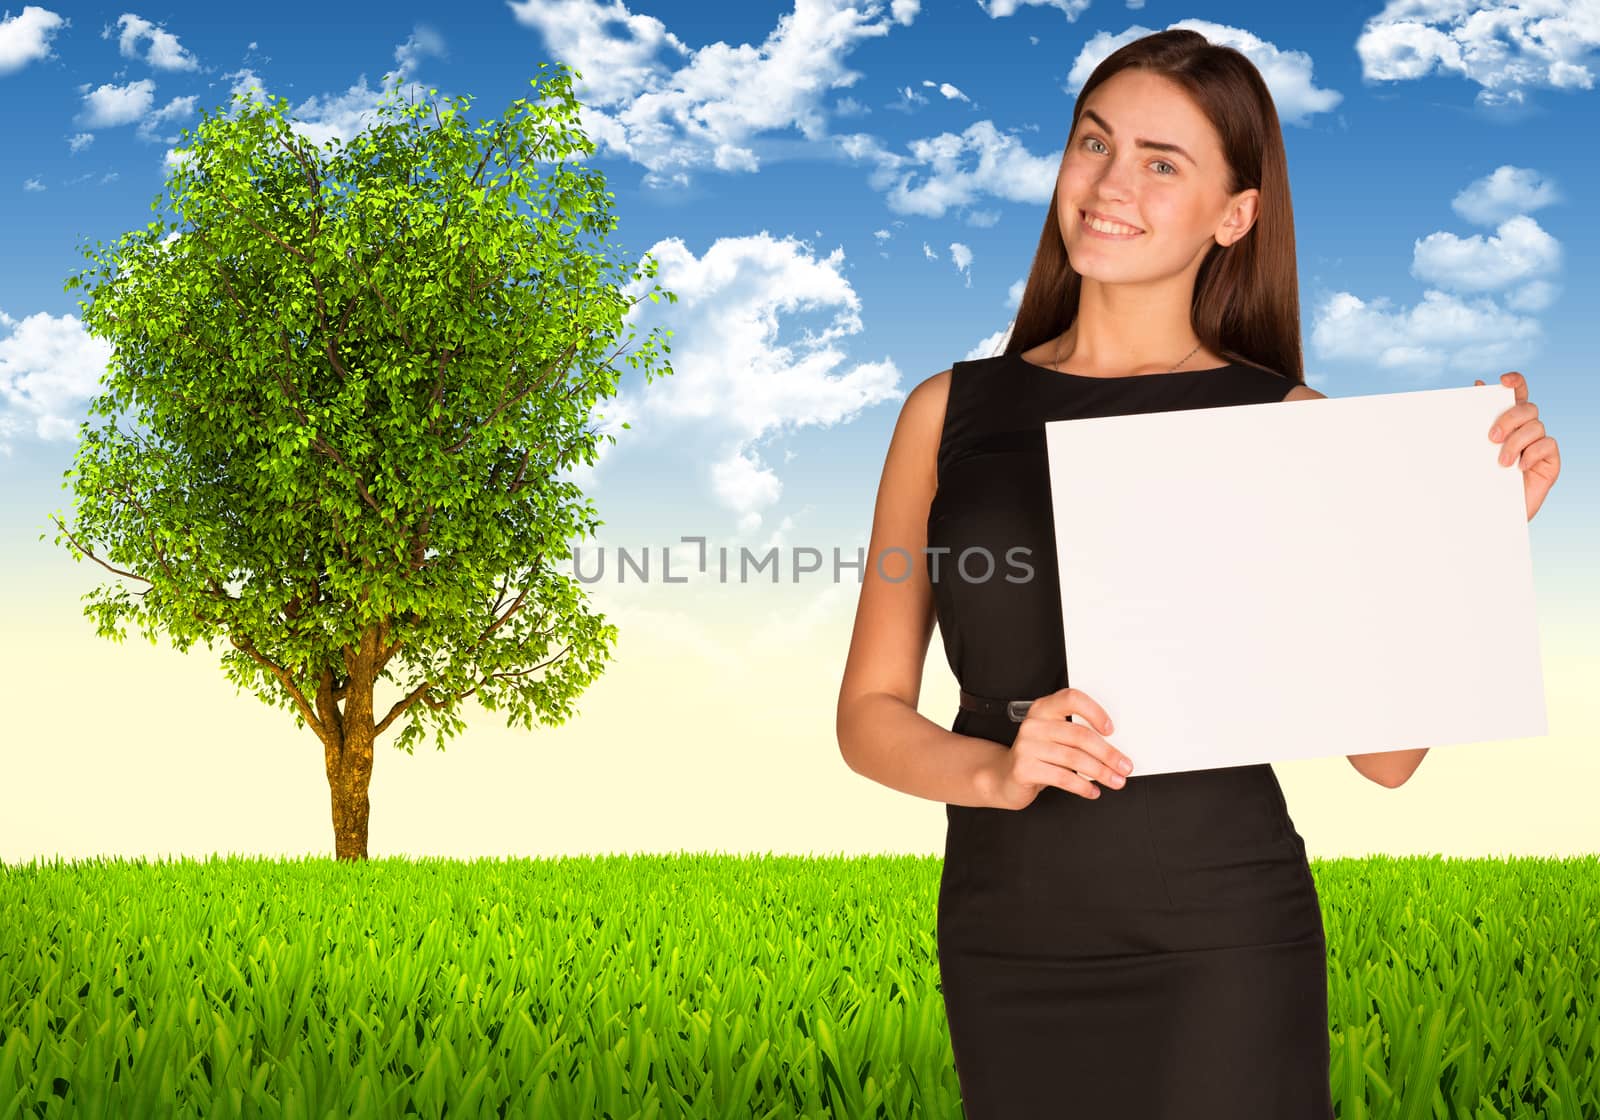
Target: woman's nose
x,y
1115,181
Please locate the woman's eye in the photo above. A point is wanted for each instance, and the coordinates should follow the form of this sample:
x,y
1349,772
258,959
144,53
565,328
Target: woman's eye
x,y
1171,170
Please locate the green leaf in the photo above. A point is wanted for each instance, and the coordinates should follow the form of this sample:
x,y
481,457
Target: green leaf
x,y
295,436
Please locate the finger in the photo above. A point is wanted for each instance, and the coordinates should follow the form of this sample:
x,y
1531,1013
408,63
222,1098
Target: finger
x,y
1065,777
1060,706
1541,451
1074,701
1081,787
1511,418
1517,440
1517,384
1093,767
1103,758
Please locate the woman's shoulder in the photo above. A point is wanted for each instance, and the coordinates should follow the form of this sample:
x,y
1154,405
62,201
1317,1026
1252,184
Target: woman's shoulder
x,y
914,444
931,401
925,404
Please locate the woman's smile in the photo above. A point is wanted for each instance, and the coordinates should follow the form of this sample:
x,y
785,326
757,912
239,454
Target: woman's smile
x,y
1111,231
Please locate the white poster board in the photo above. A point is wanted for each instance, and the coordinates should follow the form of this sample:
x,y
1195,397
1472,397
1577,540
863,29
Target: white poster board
x,y
1251,583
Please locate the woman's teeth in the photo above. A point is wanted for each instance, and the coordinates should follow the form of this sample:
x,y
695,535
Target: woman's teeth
x,y
1107,227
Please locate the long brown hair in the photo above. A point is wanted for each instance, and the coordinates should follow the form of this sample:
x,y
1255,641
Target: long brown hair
x,y
1246,304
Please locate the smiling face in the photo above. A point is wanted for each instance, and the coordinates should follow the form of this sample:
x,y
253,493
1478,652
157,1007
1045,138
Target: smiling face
x,y
1176,198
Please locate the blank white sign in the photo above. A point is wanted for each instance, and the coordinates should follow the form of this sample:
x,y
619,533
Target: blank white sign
x,y
1249,583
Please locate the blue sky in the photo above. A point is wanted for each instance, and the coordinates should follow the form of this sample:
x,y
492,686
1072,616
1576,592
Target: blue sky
x,y
845,200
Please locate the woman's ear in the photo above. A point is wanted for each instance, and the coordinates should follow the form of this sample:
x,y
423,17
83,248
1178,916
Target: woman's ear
x,y
1240,217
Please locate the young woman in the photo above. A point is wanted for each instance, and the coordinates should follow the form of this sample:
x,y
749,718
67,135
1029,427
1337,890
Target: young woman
x,y
1156,950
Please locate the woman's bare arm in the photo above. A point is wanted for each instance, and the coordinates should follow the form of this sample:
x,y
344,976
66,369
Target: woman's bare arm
x,y
881,734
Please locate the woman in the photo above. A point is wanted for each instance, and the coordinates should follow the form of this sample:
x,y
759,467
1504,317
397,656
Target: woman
x,y
1156,950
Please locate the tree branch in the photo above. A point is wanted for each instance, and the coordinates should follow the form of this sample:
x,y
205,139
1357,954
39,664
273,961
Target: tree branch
x,y
223,196
96,559
401,706
322,445
284,677
515,673
506,403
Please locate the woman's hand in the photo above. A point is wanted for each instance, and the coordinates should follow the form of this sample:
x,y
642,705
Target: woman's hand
x,y
1520,429
1051,750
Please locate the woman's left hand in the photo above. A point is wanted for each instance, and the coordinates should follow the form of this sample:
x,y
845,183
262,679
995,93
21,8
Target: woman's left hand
x,y
1521,432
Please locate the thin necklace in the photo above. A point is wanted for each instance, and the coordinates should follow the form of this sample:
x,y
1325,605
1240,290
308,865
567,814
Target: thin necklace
x,y
1174,369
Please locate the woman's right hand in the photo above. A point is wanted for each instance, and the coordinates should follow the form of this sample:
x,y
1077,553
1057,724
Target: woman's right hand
x,y
1051,750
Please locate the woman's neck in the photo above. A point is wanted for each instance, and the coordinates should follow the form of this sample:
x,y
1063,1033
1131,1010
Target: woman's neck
x,y
1119,332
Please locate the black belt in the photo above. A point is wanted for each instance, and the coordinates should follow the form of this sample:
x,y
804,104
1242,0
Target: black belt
x,y
1014,710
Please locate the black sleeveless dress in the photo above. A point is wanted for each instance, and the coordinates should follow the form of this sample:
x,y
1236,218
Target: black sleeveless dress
x,y
1156,953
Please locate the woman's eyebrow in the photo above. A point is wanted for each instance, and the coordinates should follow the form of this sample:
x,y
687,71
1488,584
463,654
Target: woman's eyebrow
x,y
1156,144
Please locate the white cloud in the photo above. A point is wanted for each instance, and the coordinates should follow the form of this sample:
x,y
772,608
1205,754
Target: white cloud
x,y
734,385
164,53
1459,329
1519,250
176,109
108,177
950,92
25,38
340,117
109,105
961,257
1287,73
79,142
980,161
49,368
614,49
1536,295
424,41
247,83
32,185
999,9
704,107
909,100
991,345
1443,333
1502,45
1505,191
742,483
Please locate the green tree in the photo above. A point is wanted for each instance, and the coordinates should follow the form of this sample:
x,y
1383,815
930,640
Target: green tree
x,y
358,371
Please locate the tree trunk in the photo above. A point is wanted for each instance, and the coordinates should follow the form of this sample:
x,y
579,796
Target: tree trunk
x,y
349,776
347,755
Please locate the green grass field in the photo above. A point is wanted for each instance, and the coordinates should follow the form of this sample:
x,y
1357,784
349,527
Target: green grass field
x,y
697,986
